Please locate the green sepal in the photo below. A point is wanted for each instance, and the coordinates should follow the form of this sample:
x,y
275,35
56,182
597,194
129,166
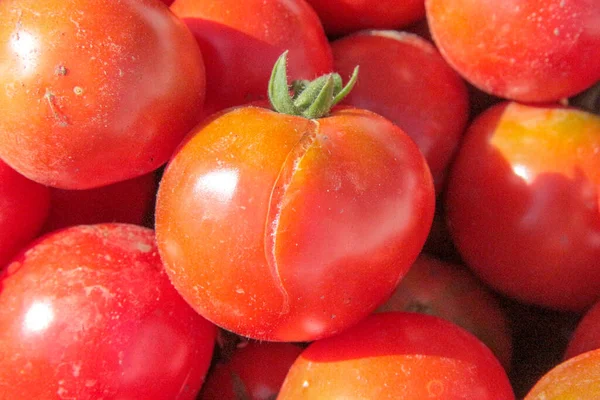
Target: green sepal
x,y
279,93
309,99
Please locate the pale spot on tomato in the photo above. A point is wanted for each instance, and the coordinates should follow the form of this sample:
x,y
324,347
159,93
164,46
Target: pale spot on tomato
x,y
143,247
435,388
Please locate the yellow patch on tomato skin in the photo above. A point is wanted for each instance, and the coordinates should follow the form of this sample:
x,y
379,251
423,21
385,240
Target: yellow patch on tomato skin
x,y
570,136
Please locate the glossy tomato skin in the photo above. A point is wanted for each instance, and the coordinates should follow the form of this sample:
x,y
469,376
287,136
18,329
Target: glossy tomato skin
x,y
94,92
576,378
127,201
341,17
241,40
256,369
405,79
89,313
526,50
283,228
398,356
522,203
450,291
24,207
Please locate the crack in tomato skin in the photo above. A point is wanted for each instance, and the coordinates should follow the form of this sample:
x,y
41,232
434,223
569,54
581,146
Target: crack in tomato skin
x,y
50,98
277,201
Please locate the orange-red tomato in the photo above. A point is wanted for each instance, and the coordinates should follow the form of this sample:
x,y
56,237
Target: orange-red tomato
x,y
522,203
395,355
94,92
88,313
284,228
525,50
405,79
574,379
240,41
450,291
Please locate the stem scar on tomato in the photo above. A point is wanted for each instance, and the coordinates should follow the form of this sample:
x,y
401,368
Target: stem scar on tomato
x,y
50,97
311,99
61,70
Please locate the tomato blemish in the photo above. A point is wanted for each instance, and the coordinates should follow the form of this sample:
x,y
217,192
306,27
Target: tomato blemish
x,y
277,201
50,98
435,388
61,70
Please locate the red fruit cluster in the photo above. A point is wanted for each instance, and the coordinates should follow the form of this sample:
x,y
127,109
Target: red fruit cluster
x,y
298,199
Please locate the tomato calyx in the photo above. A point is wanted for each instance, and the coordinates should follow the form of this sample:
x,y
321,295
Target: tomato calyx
x,y
310,99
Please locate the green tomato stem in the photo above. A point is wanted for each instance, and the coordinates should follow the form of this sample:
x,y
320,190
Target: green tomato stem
x,y
310,99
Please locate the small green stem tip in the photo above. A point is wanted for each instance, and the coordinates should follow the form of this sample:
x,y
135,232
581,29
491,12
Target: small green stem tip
x,y
310,99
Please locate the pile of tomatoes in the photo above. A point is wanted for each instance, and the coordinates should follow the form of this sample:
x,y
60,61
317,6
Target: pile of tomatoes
x,y
299,199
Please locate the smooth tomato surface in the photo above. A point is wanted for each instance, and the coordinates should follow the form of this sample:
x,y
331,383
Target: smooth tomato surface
x,y
522,203
576,378
24,207
255,371
341,17
398,356
525,50
405,79
88,313
94,92
240,41
450,291
289,229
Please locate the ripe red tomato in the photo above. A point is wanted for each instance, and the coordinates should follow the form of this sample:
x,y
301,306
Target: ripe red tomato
x,y
240,41
450,291
127,201
526,50
341,17
404,78
88,313
398,356
282,228
576,378
522,203
94,92
23,209
586,336
285,228
255,371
